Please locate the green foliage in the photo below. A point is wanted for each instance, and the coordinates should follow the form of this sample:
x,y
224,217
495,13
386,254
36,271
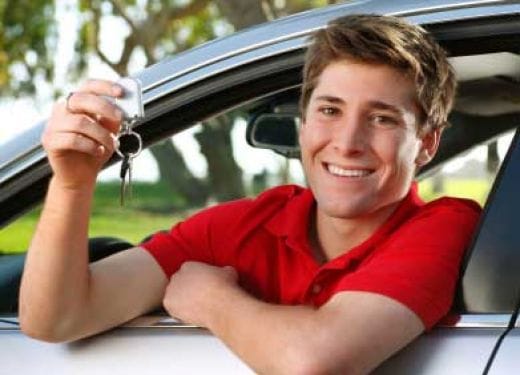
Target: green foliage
x,y
199,29
27,44
28,34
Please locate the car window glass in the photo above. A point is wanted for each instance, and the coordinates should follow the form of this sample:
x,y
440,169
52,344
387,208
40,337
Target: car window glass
x,y
159,200
470,175
15,238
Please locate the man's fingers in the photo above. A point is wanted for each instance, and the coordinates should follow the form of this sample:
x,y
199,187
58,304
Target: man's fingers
x,y
93,130
82,126
75,142
101,87
92,99
95,106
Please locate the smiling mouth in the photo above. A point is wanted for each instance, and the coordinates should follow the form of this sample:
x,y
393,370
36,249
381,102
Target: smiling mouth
x,y
343,172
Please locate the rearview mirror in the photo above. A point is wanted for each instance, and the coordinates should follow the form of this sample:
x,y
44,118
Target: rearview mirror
x,y
275,131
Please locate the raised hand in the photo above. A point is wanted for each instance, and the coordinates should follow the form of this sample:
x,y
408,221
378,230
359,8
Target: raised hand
x,y
78,137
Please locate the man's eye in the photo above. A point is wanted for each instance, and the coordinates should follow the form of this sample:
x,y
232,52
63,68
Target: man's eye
x,y
328,111
384,120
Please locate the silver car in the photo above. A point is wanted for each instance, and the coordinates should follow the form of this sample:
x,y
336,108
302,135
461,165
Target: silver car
x,y
258,71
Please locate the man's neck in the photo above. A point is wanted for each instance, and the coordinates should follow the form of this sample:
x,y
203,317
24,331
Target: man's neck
x,y
332,236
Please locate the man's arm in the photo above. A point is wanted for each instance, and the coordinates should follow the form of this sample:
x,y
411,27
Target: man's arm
x,y
351,334
61,297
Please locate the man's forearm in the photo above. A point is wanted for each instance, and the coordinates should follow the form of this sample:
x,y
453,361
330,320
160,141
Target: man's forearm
x,y
57,263
350,334
270,338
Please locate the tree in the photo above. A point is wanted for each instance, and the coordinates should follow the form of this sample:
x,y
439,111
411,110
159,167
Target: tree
x,y
28,38
155,28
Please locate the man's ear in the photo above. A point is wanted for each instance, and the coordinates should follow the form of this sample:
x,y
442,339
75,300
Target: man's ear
x,y
429,146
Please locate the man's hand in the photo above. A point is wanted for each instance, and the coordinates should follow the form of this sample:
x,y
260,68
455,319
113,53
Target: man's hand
x,y
78,138
196,290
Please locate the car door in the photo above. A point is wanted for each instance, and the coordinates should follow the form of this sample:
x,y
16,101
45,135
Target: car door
x,y
506,360
261,65
492,279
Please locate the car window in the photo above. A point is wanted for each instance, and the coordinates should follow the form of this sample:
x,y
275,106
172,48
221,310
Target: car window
x,y
470,175
15,238
156,203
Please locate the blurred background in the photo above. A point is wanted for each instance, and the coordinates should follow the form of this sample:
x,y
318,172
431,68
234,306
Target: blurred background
x,y
48,47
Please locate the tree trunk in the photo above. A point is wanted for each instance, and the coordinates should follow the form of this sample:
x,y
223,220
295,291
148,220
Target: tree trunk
x,y
224,174
492,158
174,172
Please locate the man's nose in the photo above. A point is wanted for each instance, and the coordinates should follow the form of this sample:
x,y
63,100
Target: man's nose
x,y
350,136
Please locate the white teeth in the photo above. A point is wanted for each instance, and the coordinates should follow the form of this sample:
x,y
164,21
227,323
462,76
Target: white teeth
x,y
335,170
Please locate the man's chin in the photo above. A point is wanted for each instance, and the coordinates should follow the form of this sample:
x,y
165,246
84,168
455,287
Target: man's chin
x,y
346,212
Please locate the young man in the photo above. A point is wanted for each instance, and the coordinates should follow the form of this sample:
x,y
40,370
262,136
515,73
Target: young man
x,y
335,278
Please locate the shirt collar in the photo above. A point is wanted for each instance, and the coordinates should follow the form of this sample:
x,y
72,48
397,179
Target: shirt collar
x,y
292,221
410,203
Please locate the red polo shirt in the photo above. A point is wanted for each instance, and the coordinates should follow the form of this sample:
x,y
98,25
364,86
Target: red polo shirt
x,y
413,257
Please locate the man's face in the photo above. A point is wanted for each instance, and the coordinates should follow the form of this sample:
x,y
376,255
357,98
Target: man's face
x,y
359,142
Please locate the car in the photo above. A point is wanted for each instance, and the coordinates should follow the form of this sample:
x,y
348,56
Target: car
x,y
258,72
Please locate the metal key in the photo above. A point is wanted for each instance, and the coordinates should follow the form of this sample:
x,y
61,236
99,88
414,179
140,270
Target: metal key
x,y
126,169
128,146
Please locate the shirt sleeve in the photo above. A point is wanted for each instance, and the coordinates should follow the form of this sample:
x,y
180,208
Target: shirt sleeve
x,y
185,241
195,238
419,265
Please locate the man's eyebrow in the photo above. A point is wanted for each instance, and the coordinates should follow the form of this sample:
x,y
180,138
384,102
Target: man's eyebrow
x,y
330,98
377,104
386,106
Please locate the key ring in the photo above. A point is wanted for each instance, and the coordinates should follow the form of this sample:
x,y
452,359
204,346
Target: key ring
x,y
127,131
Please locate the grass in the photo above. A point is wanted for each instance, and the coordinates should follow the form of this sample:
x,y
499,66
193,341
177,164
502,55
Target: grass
x,y
477,190
15,238
151,209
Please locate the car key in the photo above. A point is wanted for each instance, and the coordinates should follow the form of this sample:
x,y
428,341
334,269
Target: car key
x,y
128,144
